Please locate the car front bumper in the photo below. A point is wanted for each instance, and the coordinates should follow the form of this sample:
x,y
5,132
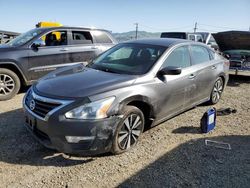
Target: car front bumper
x,y
95,135
245,72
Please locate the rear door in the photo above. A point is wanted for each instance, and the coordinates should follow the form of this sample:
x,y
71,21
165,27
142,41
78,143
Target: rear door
x,y
205,72
50,54
82,48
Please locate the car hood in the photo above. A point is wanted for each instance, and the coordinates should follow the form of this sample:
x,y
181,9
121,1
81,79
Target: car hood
x,y
4,47
232,40
79,81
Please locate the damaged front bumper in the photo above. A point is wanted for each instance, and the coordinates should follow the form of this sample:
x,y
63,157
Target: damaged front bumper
x,y
86,137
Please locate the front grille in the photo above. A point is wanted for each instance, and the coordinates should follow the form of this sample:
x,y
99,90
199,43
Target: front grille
x,y
39,107
247,64
235,64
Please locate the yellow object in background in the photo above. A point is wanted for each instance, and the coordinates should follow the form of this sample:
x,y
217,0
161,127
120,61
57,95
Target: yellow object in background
x,y
50,24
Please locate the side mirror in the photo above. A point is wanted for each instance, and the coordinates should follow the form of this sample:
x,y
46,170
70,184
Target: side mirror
x,y
34,46
37,43
171,70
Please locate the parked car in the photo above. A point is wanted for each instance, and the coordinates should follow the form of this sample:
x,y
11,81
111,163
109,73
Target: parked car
x,y
183,35
134,85
37,52
235,45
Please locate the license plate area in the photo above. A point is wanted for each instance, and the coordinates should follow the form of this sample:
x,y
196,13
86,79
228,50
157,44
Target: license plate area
x,y
31,122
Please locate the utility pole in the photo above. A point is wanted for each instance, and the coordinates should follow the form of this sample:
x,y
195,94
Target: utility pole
x,y
195,27
136,30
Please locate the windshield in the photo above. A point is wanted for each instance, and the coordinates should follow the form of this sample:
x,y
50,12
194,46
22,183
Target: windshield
x,y
25,37
128,58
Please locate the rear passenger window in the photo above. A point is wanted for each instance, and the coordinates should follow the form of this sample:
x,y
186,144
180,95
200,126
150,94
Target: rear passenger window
x,y
199,54
179,58
81,37
101,37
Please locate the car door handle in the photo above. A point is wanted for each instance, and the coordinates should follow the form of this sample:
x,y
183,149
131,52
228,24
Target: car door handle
x,y
64,49
213,67
192,76
94,48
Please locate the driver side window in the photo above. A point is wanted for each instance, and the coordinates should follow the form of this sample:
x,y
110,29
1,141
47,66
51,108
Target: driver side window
x,y
179,57
55,38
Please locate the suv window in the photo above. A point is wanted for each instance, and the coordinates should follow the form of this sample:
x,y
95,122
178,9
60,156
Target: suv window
x,y
54,38
199,54
180,57
199,38
81,37
101,37
191,37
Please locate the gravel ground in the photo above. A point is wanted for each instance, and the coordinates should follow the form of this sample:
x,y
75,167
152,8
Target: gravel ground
x,y
172,154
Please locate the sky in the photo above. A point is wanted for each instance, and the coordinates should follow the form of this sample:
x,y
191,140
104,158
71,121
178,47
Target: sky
x,y
121,15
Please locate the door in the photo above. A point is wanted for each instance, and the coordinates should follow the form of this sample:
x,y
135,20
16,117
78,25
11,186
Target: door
x,y
48,53
82,49
176,89
205,71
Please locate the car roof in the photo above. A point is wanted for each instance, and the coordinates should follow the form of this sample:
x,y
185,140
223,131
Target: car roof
x,y
70,27
166,42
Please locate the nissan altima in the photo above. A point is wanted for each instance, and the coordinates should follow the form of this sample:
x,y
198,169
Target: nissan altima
x,y
105,106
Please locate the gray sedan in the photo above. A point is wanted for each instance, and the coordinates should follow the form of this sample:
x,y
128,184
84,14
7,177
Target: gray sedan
x,y
134,85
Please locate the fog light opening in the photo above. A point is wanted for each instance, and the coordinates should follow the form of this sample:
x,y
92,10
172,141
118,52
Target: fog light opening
x,y
77,139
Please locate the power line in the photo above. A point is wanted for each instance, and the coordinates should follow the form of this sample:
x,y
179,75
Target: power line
x,y
165,29
221,27
209,30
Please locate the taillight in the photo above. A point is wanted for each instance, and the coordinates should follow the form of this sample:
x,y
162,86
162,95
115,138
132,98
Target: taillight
x,y
227,63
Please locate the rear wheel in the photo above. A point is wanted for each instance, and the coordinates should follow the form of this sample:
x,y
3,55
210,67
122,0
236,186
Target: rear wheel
x,y
217,91
129,130
9,84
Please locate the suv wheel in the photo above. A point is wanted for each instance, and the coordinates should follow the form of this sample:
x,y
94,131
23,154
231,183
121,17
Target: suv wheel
x,y
217,91
128,130
9,84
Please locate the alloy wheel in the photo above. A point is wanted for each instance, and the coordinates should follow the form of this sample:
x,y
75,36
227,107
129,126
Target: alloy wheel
x,y
7,84
217,90
130,131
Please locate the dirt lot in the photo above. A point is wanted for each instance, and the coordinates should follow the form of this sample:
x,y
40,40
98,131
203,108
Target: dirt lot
x,y
172,154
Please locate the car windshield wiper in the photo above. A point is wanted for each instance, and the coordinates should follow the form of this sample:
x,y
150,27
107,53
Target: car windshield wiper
x,y
101,68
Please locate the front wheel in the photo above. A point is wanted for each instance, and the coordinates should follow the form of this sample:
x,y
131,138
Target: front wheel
x,y
9,84
129,130
216,91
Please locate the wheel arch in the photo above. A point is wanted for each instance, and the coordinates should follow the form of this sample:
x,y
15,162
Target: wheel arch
x,y
11,66
142,103
223,77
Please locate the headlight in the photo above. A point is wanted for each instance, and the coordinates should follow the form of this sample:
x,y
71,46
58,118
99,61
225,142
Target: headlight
x,y
94,110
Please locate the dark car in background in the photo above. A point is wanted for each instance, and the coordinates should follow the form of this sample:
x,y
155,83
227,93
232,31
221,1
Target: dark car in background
x,y
236,46
183,35
133,86
39,51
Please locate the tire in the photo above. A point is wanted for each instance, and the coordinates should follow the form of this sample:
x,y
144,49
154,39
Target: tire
x,y
9,84
121,142
216,92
